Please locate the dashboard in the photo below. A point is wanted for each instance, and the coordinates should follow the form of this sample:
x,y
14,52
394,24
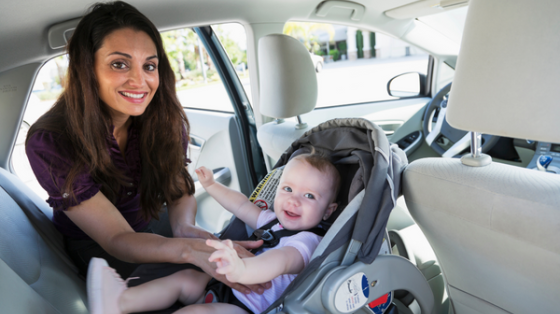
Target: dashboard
x,y
551,153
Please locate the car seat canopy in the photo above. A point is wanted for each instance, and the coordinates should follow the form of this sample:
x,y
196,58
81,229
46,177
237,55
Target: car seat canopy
x,y
359,145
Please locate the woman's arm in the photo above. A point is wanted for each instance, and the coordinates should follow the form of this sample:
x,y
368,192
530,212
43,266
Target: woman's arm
x,y
102,221
258,269
182,215
234,201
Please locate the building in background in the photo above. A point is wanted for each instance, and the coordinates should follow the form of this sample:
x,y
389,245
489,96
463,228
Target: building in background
x,y
350,43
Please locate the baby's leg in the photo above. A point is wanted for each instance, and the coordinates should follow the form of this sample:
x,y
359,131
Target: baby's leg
x,y
187,286
211,308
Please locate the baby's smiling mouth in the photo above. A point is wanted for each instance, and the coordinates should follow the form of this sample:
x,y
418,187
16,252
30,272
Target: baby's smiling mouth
x,y
133,95
290,214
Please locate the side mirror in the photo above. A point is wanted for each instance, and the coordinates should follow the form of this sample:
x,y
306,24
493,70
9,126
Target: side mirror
x,y
404,85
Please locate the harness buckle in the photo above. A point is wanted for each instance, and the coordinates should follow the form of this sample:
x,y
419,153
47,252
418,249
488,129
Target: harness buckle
x,y
267,235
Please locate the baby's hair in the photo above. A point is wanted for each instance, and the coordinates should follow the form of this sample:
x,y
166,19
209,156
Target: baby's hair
x,y
323,164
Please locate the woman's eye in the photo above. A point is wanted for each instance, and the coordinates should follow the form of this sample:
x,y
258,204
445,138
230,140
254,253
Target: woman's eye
x,y
151,67
118,65
309,196
287,189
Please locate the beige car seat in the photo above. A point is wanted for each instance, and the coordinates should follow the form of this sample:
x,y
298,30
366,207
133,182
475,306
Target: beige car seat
x,y
495,227
288,88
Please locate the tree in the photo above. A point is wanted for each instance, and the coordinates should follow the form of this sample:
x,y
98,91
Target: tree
x,y
234,51
308,33
180,47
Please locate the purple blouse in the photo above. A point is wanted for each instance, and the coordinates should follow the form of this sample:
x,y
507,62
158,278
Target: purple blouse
x,y
48,155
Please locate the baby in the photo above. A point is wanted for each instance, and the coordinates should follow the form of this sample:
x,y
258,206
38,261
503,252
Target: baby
x,y
305,195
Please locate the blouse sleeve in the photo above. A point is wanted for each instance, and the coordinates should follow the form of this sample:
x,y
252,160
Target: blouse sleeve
x,y
49,157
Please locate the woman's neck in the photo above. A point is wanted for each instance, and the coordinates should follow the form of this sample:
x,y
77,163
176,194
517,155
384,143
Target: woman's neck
x,y
120,132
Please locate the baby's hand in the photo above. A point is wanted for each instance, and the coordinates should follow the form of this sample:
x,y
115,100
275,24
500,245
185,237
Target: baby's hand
x,y
205,176
227,260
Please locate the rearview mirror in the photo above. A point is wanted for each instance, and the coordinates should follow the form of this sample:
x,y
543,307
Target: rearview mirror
x,y
406,85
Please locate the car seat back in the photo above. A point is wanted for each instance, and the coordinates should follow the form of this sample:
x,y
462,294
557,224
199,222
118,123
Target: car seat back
x,y
36,274
288,88
494,227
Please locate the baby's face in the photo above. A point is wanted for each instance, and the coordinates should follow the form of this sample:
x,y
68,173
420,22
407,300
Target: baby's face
x,y
303,197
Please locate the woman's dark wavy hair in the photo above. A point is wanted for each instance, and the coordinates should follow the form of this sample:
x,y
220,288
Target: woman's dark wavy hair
x,y
81,116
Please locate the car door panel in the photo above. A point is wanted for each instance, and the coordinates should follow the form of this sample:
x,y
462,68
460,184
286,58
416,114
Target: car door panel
x,y
215,145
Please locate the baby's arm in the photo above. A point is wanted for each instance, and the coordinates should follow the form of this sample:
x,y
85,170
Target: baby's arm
x,y
235,202
258,269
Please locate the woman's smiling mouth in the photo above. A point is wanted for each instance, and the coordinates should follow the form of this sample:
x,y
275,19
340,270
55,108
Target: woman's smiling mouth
x,y
133,95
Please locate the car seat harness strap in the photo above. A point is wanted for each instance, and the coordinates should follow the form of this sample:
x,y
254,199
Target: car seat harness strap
x,y
272,238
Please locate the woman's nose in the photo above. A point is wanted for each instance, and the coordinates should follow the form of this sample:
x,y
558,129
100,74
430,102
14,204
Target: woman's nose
x,y
136,76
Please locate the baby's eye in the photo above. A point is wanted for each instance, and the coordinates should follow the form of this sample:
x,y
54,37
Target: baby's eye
x,y
287,189
309,196
150,67
118,65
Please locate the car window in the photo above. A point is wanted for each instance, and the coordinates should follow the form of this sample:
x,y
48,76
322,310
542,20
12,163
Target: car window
x,y
354,65
199,85
48,86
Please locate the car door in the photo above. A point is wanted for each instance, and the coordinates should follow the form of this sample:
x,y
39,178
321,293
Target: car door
x,y
222,127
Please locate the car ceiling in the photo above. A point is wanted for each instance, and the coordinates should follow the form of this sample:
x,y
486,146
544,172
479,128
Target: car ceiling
x,y
24,25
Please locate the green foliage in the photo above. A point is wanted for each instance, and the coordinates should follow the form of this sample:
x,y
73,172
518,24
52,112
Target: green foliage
x,y
342,46
46,95
232,48
182,48
308,33
360,43
335,54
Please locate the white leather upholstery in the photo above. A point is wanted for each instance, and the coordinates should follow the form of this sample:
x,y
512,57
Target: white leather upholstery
x,y
288,82
275,138
507,70
494,230
288,88
35,273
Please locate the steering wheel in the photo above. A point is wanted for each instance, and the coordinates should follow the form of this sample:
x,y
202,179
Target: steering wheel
x,y
459,138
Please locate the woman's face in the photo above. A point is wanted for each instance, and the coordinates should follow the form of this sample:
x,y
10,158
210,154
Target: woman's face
x,y
126,67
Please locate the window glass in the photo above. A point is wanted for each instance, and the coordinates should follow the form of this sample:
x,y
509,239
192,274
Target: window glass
x,y
48,86
445,75
198,84
354,65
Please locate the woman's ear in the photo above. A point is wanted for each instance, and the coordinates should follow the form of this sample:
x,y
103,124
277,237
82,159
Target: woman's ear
x,y
332,207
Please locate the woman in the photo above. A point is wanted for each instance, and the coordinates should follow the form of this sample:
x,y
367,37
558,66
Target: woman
x,y
112,150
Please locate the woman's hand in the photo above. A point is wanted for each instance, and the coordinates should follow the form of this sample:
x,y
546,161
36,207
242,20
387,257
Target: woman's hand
x,y
227,260
186,230
199,256
205,176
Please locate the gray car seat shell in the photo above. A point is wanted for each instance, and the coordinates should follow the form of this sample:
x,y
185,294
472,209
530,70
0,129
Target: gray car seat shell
x,y
371,168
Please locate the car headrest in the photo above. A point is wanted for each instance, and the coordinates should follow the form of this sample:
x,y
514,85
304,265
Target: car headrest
x,y
508,70
288,82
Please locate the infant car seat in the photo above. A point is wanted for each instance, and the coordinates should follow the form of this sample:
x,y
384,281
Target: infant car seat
x,y
351,271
